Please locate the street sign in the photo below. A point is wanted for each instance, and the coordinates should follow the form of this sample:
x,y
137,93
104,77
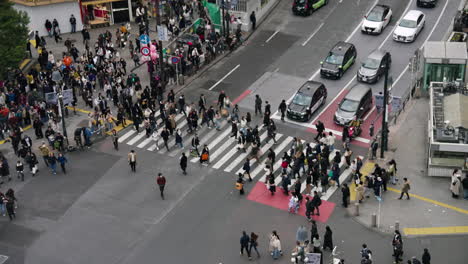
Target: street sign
x,y
175,60
144,39
145,51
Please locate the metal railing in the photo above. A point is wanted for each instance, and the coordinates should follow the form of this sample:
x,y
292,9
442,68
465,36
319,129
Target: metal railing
x,y
238,6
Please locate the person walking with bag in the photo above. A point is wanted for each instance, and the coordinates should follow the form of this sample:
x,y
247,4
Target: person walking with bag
x,y
161,181
254,243
132,160
240,184
405,189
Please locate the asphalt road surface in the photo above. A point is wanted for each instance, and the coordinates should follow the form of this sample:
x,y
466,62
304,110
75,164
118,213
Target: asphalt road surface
x,y
102,213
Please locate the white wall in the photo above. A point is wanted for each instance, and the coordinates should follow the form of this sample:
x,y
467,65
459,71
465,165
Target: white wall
x,y
60,11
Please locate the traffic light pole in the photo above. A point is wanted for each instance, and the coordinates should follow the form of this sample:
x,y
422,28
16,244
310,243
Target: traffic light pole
x,y
384,140
161,61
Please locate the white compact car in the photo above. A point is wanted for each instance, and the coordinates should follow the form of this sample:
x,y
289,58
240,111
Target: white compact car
x,y
409,26
377,19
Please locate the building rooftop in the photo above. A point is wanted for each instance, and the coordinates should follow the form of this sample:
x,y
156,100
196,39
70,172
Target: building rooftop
x,y
445,52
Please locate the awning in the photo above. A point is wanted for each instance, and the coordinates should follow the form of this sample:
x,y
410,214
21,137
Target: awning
x,y
97,2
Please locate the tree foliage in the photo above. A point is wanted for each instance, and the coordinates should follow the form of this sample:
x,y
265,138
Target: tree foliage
x,y
13,36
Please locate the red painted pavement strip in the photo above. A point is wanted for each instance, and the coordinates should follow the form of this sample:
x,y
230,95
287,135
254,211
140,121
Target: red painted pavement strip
x,y
242,96
260,194
327,118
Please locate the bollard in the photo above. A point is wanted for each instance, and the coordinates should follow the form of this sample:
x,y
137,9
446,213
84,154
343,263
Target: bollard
x,y
397,225
356,209
374,220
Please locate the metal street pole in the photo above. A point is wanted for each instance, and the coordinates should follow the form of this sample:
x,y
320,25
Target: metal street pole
x,y
228,19
222,18
64,127
161,62
383,143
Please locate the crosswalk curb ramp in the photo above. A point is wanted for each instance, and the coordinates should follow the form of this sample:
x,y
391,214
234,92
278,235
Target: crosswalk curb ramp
x,y
224,154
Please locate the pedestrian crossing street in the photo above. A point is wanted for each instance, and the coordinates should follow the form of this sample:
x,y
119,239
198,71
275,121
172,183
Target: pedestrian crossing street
x,y
224,154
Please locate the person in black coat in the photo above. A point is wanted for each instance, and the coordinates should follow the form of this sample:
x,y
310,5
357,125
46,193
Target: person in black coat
x,y
244,242
346,193
183,163
426,257
246,168
327,238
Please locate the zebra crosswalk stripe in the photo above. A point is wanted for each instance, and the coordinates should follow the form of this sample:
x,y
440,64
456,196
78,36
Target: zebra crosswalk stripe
x,y
263,151
243,155
172,141
220,150
135,139
277,151
214,142
126,135
144,142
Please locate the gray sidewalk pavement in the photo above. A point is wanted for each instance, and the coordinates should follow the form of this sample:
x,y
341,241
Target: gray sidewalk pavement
x,y
433,205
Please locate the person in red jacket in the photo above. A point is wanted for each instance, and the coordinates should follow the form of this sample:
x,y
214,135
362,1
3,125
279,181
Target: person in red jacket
x,y
161,181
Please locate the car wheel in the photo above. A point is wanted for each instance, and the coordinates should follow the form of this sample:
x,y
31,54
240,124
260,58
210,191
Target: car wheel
x,y
326,2
340,74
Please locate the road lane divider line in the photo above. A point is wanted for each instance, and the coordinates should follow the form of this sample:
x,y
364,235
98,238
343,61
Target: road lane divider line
x,y
313,34
225,76
272,36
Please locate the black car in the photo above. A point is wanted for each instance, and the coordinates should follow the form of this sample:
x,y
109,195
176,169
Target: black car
x,y
374,66
426,3
339,59
306,7
306,101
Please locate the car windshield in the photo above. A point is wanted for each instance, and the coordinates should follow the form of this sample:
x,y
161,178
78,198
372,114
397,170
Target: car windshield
x,y
349,105
302,99
334,59
375,15
371,63
300,1
408,23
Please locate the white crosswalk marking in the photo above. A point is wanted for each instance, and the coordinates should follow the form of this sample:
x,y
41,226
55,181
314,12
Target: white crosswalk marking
x,y
172,141
214,142
126,135
263,150
144,142
153,147
135,139
224,154
243,155
220,150
278,150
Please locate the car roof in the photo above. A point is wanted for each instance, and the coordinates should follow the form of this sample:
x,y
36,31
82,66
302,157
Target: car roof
x,y
380,7
357,92
309,87
341,47
413,15
377,54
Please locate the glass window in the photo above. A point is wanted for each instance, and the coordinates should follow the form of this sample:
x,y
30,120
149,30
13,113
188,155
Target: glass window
x,y
408,23
349,106
302,99
371,63
334,59
375,15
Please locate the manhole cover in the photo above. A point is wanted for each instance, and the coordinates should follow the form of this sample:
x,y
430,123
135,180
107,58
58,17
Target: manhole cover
x,y
3,259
